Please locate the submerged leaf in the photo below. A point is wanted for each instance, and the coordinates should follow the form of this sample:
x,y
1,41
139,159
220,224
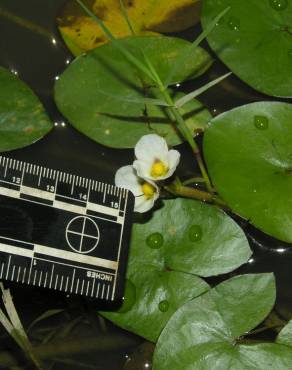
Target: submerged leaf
x,y
255,41
147,18
22,117
182,238
203,334
47,314
249,158
84,92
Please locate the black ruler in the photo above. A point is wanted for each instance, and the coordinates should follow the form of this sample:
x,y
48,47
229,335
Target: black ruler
x,y
62,231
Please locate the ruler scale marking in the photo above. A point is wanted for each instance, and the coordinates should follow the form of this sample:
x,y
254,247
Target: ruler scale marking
x,y
80,253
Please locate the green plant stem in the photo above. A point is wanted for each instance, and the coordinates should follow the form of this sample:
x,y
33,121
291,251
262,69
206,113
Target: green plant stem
x,y
197,194
193,180
33,27
186,134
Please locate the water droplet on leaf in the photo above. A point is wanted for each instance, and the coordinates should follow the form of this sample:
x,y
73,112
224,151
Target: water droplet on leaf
x,y
195,233
234,23
261,122
279,4
129,297
155,240
163,306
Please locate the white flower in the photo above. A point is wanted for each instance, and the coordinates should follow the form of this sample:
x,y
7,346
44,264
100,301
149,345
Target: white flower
x,y
154,160
145,192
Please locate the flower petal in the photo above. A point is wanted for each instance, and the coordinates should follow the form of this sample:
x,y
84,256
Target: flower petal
x,y
127,178
143,204
173,161
151,147
143,169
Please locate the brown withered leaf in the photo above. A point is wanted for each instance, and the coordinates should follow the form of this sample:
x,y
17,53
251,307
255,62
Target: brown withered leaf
x,y
81,33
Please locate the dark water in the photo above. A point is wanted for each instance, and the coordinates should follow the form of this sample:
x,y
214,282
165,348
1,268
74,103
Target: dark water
x,y
39,58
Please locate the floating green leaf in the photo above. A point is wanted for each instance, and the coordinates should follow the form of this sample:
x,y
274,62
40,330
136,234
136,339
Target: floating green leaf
x,y
204,333
198,238
83,93
255,41
249,157
182,238
22,117
159,293
285,335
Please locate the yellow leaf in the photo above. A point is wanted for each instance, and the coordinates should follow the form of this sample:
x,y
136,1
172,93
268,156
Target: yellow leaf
x,y
81,33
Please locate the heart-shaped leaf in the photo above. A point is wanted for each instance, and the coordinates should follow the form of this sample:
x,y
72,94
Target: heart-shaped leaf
x,y
22,117
183,238
254,40
203,333
249,157
81,33
84,93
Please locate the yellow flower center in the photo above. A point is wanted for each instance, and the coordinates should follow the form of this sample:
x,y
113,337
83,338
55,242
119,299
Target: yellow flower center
x,y
148,190
158,169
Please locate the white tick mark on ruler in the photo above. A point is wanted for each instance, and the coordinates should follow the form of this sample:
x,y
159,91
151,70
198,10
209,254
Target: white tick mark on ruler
x,y
67,282
13,271
102,291
5,171
52,274
73,277
87,289
46,278
2,268
97,292
77,286
73,184
82,286
92,290
104,194
108,292
40,176
40,279
23,277
61,284
18,274
56,282
7,272
34,278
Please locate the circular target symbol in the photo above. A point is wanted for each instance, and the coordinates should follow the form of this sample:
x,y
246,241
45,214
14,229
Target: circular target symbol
x,y
82,234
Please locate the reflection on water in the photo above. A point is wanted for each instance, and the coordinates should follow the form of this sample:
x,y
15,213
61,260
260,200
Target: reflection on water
x,y
32,48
